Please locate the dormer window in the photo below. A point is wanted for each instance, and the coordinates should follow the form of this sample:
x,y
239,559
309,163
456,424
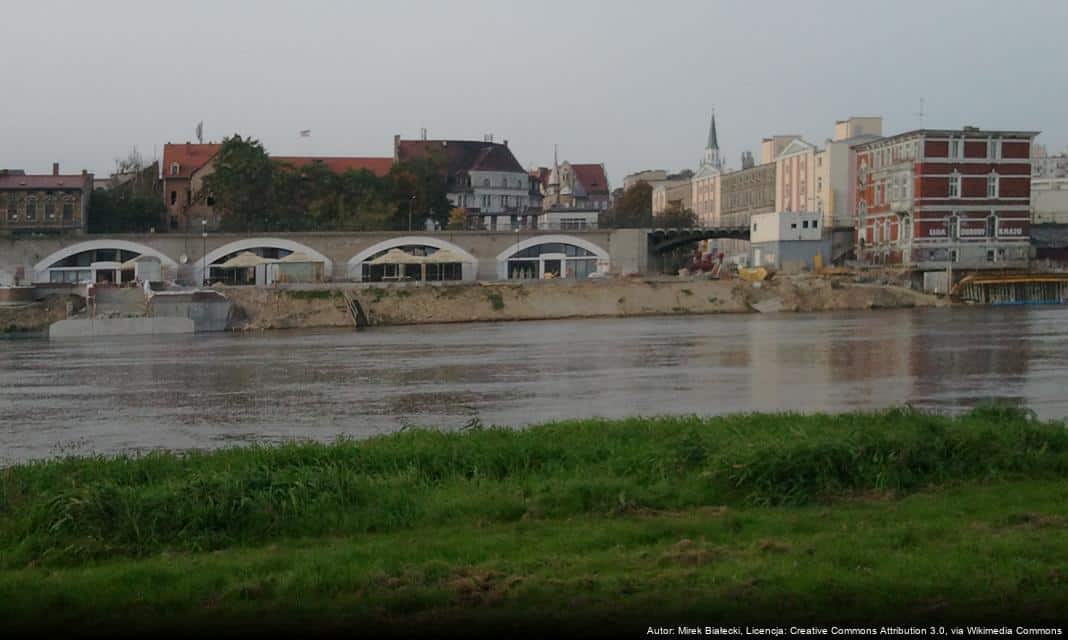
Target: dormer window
x,y
175,168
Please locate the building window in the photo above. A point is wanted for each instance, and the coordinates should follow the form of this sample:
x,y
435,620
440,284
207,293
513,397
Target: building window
x,y
992,185
12,208
174,197
31,208
815,224
954,185
991,226
954,147
175,168
50,210
993,148
211,201
68,210
486,182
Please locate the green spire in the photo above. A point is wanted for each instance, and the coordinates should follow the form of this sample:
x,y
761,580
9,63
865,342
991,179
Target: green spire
x,y
712,142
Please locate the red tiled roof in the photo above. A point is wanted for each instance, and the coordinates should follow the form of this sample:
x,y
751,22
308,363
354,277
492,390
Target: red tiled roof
x,y
462,155
592,177
189,157
378,166
46,181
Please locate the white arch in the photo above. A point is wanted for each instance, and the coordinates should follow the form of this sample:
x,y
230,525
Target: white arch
x,y
249,244
40,270
502,257
470,269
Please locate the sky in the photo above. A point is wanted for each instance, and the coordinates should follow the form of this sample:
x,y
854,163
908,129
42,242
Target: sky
x,y
625,83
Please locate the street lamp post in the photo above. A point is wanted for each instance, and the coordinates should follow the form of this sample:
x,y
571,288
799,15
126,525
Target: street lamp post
x,y
411,203
515,249
204,251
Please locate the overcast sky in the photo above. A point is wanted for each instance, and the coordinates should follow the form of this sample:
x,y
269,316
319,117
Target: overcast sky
x,y
629,84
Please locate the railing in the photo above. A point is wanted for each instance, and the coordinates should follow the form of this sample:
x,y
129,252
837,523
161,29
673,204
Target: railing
x,y
565,226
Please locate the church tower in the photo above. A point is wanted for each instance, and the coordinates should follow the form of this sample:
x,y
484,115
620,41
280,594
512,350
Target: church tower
x,y
712,158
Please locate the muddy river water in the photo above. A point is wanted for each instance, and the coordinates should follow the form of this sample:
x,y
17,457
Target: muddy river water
x,y
211,390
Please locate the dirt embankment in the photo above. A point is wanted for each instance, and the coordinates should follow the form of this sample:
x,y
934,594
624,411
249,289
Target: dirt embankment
x,y
37,316
256,308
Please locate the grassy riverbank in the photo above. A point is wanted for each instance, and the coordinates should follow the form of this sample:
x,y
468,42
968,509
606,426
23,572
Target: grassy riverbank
x,y
620,523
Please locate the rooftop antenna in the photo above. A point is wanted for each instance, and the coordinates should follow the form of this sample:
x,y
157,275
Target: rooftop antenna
x,y
920,114
200,132
422,133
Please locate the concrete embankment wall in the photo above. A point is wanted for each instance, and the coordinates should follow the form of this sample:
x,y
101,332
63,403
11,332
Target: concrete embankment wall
x,y
98,327
37,315
257,308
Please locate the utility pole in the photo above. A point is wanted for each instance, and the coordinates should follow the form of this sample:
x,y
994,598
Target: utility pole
x,y
411,203
204,251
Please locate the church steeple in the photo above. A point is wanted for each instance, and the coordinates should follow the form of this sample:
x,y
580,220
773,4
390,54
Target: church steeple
x,y
712,142
712,148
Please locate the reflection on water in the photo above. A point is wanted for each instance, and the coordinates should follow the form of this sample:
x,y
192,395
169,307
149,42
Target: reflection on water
x,y
214,390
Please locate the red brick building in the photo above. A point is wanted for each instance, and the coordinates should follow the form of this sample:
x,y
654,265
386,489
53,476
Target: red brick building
x,y
39,203
930,199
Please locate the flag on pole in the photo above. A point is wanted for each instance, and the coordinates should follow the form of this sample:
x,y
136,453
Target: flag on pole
x,y
305,133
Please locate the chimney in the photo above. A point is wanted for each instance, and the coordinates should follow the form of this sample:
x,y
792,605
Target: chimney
x,y
55,168
396,148
505,143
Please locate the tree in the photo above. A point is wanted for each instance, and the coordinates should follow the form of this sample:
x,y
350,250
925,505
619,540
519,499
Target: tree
x,y
242,184
633,210
676,218
457,219
132,201
424,179
122,211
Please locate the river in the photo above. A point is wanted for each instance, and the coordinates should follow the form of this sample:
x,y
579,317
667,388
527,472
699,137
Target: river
x,y
211,390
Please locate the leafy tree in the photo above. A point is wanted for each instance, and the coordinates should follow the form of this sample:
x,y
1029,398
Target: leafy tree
x,y
457,219
424,179
676,218
242,184
121,211
633,210
132,202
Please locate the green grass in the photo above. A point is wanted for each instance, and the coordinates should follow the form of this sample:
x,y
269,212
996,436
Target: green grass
x,y
562,524
495,299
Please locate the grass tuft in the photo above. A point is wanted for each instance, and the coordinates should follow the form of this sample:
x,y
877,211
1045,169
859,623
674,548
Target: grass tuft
x,y
71,510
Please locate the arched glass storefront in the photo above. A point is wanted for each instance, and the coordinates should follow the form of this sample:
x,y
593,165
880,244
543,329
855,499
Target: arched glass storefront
x,y
552,260
412,263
